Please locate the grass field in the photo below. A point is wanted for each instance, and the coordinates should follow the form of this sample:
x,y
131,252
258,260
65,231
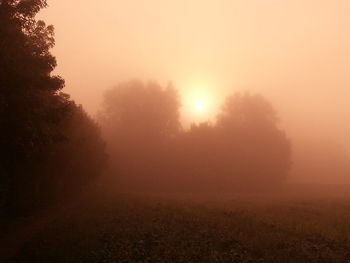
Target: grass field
x,y
283,227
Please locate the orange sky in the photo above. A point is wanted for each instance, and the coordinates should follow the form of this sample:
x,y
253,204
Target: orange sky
x,y
296,53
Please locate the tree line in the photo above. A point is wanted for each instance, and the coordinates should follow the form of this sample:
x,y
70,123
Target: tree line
x,y
149,149
51,148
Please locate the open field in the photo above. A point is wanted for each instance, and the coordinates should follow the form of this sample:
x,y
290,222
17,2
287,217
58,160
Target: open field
x,y
190,228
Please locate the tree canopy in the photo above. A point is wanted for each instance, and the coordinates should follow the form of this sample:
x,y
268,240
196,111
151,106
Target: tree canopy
x,y
245,146
36,118
139,121
248,124
141,109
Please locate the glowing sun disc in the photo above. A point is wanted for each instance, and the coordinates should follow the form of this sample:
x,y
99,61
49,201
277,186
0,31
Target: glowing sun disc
x,y
199,106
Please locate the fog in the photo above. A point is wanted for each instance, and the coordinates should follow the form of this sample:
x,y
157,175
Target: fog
x,y
174,131
294,53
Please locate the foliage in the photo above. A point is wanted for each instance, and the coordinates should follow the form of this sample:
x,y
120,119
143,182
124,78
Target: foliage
x,y
248,126
149,148
30,103
35,115
139,122
142,111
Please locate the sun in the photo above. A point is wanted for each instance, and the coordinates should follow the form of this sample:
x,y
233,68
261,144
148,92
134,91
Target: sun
x,y
199,101
199,106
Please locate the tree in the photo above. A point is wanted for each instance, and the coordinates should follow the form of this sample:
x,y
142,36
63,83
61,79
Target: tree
x,y
244,148
33,110
140,120
76,160
142,110
29,98
148,147
254,148
195,162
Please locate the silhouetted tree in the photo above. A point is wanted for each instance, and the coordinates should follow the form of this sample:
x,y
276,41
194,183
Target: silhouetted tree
x,y
253,148
142,110
75,160
139,122
245,147
195,163
33,111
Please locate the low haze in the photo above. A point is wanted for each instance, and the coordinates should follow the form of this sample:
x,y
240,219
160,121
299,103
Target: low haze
x,y
291,50
295,53
175,131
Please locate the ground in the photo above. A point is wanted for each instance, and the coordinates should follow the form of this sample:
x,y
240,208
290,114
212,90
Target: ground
x,y
188,228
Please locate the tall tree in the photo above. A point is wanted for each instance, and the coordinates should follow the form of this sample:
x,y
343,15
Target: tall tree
x,y
30,103
33,110
139,121
142,110
245,147
254,148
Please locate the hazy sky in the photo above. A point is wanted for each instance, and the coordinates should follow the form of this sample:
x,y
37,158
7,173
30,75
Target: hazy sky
x,y
296,53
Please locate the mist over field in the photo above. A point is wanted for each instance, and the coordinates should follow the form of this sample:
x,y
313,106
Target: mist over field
x,y
294,53
174,131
